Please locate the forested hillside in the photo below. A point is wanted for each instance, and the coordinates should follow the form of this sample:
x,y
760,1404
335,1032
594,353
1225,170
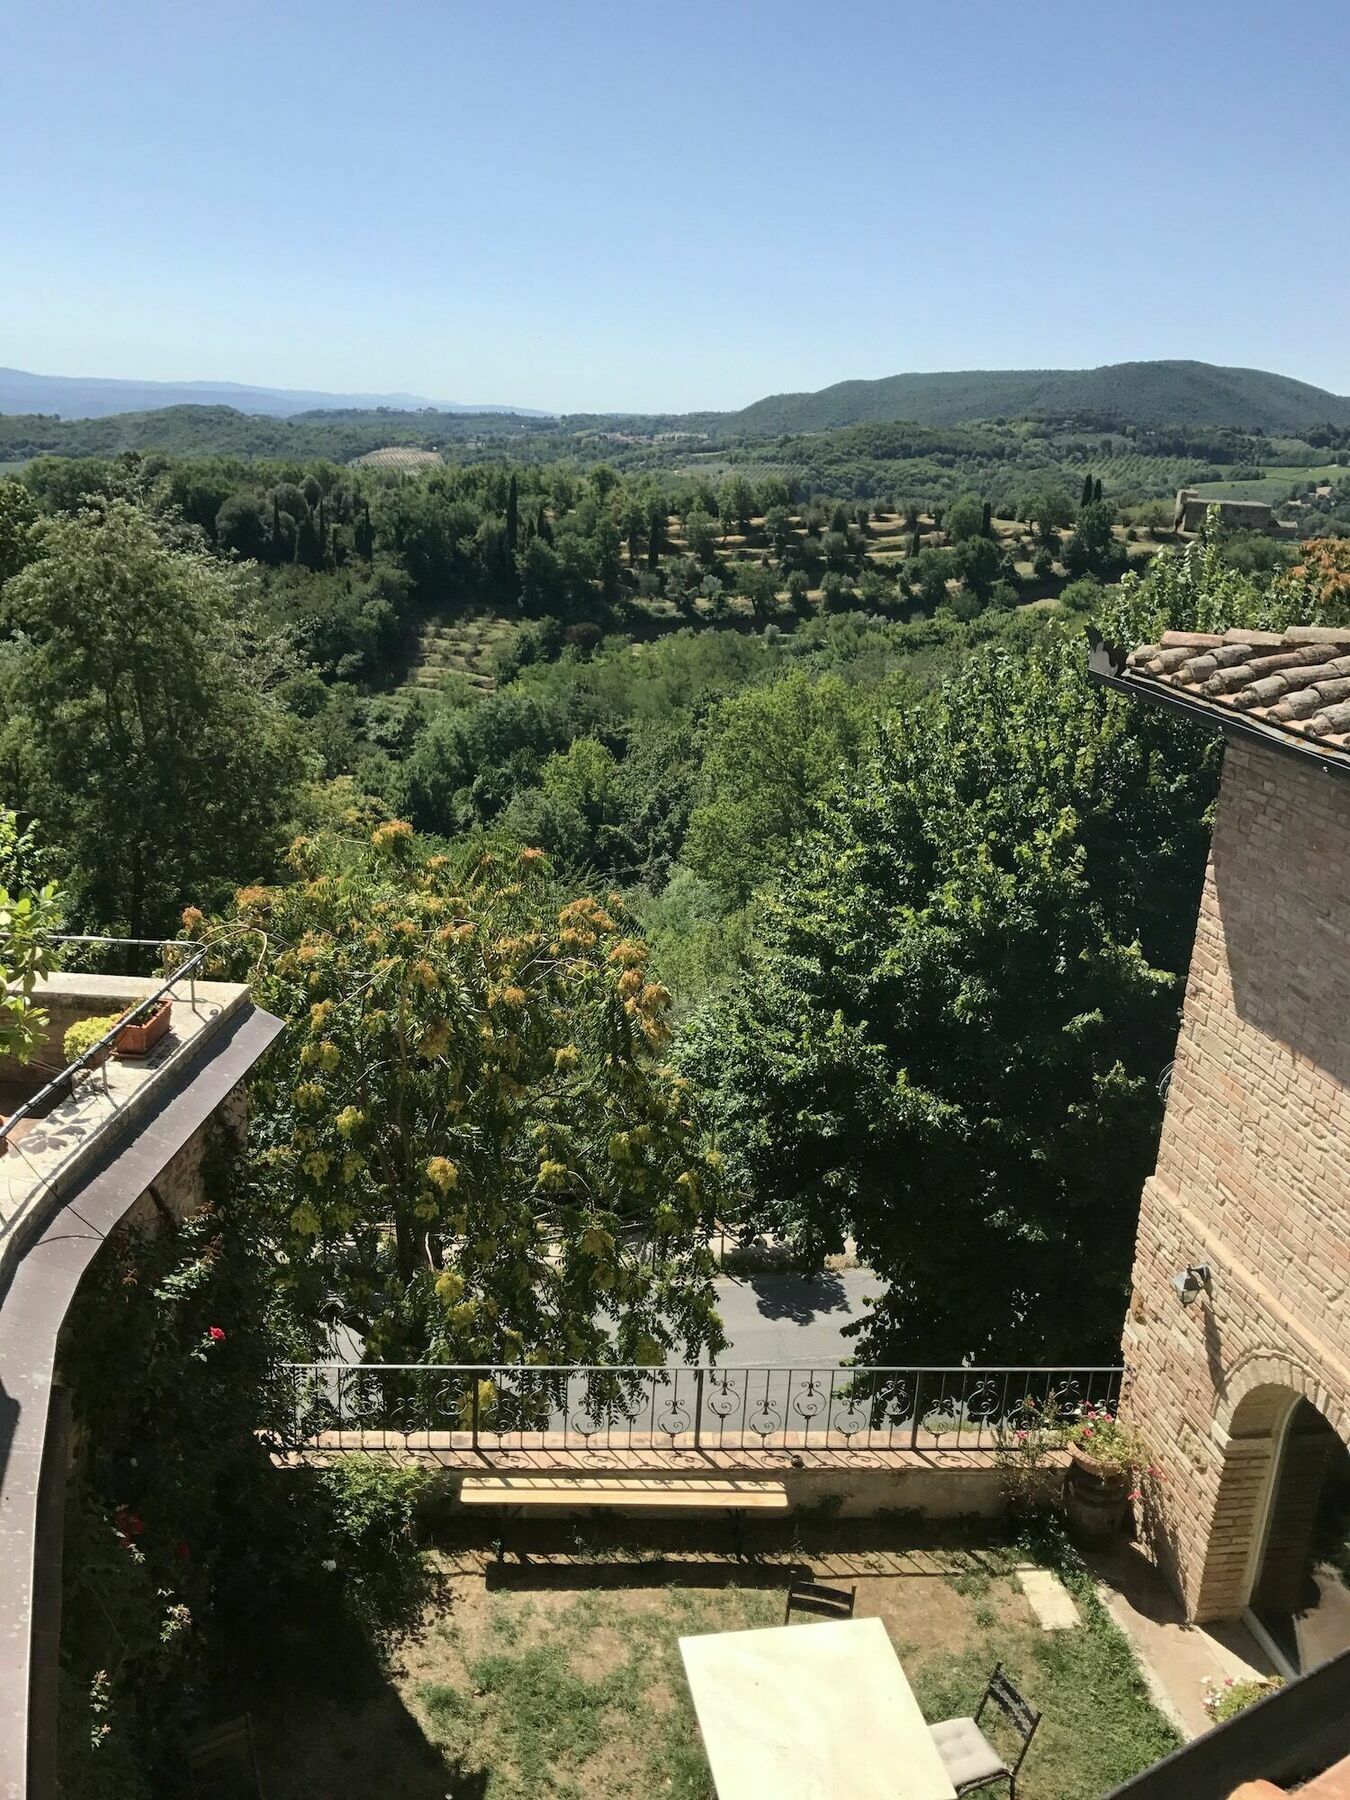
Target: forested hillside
x,y
1144,394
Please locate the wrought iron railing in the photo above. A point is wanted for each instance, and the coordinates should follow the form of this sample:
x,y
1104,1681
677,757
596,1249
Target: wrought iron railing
x,y
513,1406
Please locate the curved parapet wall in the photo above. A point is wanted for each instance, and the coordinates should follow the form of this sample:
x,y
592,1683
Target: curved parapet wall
x,y
65,1188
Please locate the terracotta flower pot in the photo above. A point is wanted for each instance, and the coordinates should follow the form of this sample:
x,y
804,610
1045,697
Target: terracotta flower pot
x,y
140,1039
1095,1498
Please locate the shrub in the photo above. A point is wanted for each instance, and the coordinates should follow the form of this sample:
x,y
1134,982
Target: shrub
x,y
84,1034
362,1533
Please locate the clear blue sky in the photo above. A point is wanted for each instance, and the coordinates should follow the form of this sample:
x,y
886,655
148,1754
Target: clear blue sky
x,y
593,204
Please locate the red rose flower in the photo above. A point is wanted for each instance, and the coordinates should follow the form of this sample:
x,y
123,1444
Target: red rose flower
x,y
216,1335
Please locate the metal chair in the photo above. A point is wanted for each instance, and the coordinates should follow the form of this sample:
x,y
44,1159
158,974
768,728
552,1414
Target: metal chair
x,y
223,1762
812,1597
970,1760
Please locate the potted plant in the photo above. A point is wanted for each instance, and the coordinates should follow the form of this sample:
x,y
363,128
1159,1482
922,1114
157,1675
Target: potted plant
x,y
1104,1455
140,1038
82,1037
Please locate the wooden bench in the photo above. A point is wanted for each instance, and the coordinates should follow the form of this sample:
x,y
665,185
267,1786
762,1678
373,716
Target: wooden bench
x,y
515,1494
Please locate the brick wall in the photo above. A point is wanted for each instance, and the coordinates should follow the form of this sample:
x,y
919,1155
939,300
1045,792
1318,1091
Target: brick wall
x,y
1253,1176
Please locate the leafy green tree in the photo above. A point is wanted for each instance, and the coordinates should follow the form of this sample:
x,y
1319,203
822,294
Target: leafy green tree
x,y
772,752
576,811
30,912
139,701
736,503
978,564
1093,548
241,526
760,587
837,551
778,526
965,519
470,1132
948,1045
18,516
930,571
700,537
1050,510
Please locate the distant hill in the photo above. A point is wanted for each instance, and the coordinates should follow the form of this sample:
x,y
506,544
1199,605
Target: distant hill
x,y
1138,393
93,397
221,431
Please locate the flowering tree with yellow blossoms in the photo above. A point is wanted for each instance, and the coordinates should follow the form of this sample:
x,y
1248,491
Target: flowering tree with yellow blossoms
x,y
468,1127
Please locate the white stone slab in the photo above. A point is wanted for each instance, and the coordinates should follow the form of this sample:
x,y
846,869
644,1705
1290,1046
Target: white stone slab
x,y
811,1712
1050,1600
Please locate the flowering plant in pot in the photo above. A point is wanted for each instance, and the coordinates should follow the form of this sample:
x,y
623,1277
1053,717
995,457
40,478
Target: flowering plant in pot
x,y
1105,1456
1101,1442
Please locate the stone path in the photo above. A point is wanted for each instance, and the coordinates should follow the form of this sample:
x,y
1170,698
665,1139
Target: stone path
x,y
1180,1662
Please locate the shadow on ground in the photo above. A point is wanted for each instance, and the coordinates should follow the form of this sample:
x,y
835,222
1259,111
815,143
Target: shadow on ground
x,y
798,1298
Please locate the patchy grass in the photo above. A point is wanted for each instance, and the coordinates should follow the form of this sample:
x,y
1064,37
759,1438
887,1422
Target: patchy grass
x,y
561,1679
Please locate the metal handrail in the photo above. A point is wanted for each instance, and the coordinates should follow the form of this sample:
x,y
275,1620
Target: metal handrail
x,y
31,1107
689,1405
532,1368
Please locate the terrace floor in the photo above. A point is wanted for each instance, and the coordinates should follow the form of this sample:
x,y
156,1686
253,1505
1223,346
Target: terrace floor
x,y
560,1678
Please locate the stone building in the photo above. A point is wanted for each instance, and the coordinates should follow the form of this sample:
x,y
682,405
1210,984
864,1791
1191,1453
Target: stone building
x,y
1238,1333
1234,515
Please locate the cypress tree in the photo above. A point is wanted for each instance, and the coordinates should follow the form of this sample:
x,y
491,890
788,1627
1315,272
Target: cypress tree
x,y
365,536
544,529
987,524
1085,498
1097,489
512,516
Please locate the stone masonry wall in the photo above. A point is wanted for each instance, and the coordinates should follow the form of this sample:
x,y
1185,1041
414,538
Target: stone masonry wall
x,y
1253,1176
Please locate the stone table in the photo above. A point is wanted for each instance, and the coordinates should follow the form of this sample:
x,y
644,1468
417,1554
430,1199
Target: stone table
x,y
811,1712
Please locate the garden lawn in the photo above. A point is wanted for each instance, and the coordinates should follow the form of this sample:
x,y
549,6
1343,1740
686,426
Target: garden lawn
x,y
562,1680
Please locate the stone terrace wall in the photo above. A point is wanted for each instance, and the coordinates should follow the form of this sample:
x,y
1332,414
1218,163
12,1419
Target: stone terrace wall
x,y
1253,1175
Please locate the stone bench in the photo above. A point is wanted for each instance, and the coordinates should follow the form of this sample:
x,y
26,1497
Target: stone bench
x,y
513,1495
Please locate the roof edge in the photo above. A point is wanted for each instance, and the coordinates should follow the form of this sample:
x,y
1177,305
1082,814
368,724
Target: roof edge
x,y
1108,666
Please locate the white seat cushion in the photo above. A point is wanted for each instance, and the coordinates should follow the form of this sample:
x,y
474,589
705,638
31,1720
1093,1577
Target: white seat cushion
x,y
967,1755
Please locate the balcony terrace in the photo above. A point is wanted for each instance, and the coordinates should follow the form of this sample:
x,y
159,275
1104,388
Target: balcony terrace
x,y
84,1141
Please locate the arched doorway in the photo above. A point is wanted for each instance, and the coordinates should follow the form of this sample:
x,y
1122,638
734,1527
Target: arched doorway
x,y
1284,1518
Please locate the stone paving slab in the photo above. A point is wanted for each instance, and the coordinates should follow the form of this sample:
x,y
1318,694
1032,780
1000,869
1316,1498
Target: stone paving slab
x,y
1048,1598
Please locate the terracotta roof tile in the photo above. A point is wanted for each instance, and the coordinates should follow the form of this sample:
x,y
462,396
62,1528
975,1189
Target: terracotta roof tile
x,y
1296,681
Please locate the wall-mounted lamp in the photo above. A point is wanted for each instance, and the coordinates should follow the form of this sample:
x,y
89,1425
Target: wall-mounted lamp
x,y
1193,1279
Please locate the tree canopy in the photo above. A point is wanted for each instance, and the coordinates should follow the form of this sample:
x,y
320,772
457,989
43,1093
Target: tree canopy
x,y
948,1044
470,1131
139,719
